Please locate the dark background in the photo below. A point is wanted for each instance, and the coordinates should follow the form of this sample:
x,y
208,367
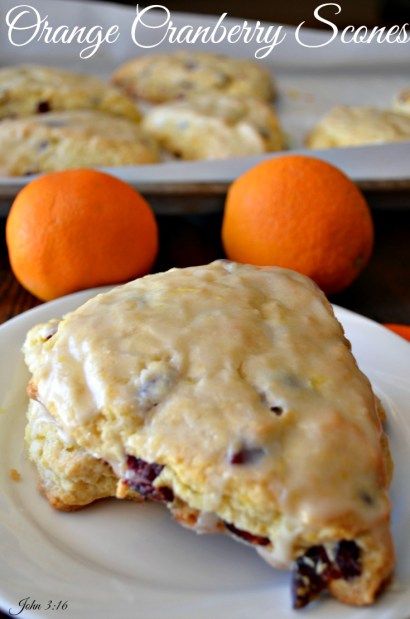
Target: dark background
x,y
356,12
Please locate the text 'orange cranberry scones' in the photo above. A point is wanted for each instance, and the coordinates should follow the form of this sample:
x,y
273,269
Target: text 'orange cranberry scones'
x,y
229,393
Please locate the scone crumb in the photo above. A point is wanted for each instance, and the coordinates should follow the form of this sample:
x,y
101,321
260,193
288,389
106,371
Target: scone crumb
x,y
15,475
122,490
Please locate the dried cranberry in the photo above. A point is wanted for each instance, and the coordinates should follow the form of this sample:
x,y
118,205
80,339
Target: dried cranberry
x,y
274,408
315,570
310,576
43,145
52,330
366,498
190,65
43,107
140,477
348,559
247,455
306,585
258,540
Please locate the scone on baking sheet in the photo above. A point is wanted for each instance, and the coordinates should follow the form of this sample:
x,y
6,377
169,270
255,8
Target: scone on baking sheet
x,y
230,393
60,140
356,126
35,89
215,127
165,77
402,102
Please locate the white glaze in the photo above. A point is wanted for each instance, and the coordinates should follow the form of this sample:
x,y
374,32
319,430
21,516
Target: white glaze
x,y
187,364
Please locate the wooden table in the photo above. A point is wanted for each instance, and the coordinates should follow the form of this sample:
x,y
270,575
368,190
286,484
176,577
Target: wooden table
x,y
382,292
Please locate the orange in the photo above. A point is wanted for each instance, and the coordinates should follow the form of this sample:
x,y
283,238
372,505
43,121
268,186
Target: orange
x,y
300,213
403,330
77,229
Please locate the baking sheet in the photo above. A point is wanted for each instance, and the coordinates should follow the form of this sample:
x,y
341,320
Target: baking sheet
x,y
310,82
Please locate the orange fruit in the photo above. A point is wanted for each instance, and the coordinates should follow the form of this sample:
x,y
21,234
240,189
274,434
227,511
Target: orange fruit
x,y
77,229
403,330
300,213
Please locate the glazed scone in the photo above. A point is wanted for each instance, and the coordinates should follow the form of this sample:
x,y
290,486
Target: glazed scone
x,y
68,476
230,393
165,77
34,89
402,102
356,126
215,127
60,140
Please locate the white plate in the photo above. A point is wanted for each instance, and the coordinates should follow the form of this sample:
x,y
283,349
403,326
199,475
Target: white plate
x,y
310,81
118,559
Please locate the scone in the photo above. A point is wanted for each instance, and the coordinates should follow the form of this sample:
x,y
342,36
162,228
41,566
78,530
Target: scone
x,y
35,89
402,102
164,77
60,140
215,127
229,393
68,476
356,126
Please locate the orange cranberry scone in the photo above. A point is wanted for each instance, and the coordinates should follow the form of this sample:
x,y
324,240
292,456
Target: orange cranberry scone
x,y
76,139
167,77
229,393
359,125
68,476
35,89
215,127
